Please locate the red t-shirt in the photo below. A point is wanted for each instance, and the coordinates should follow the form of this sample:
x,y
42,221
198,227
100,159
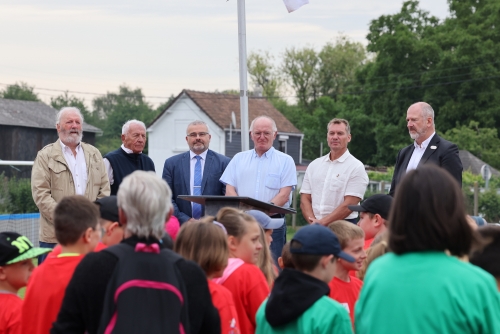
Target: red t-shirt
x,y
223,300
45,292
57,250
368,243
346,293
10,313
249,288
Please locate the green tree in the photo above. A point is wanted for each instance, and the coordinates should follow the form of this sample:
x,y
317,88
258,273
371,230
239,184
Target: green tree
x,y
264,74
65,100
20,91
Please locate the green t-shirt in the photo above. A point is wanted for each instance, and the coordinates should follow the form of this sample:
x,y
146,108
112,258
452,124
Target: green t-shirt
x,y
324,316
425,293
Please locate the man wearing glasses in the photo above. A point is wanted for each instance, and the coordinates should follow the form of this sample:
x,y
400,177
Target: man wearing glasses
x,y
263,173
195,172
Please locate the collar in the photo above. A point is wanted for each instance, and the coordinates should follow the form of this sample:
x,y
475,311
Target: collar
x,y
342,158
267,154
127,150
425,143
202,155
63,147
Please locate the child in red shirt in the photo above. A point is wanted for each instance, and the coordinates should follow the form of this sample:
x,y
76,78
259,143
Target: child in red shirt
x,y
205,243
345,288
76,223
16,266
242,277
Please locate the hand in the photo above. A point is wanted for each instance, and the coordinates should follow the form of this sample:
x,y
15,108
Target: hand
x,y
313,220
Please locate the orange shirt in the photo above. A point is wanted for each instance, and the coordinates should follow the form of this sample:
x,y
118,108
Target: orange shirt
x,y
249,288
10,313
223,300
346,293
368,243
45,292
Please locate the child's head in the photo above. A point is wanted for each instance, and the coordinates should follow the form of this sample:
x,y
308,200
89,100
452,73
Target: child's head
x,y
314,249
112,230
285,260
243,234
489,258
204,243
267,223
373,214
378,248
76,223
16,265
352,241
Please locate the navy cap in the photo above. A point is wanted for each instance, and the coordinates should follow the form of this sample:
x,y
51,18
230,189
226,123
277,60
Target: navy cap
x,y
108,207
316,239
376,204
265,221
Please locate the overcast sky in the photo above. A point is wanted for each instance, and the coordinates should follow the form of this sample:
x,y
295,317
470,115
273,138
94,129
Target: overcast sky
x,y
163,46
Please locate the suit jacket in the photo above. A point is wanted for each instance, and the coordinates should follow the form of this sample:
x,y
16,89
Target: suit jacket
x,y
176,172
445,155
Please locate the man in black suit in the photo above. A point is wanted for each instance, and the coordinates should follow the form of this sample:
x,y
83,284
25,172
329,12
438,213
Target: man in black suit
x,y
427,147
180,172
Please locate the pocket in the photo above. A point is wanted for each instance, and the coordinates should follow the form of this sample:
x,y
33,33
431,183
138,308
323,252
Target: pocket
x,y
338,182
57,174
273,181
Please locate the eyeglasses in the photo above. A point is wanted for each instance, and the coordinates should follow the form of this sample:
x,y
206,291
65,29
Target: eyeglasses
x,y
200,134
265,134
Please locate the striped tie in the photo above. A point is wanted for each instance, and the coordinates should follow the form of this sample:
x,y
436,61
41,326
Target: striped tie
x,y
197,187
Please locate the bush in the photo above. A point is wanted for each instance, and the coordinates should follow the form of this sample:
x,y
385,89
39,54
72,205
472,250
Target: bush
x,y
15,196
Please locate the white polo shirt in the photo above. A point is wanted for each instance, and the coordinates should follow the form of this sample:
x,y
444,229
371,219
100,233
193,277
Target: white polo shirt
x,y
329,181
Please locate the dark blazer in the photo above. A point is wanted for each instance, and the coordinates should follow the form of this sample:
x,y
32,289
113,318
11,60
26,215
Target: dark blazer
x,y
176,173
444,155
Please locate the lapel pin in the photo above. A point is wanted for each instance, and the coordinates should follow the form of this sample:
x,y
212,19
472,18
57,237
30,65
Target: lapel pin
x,y
433,147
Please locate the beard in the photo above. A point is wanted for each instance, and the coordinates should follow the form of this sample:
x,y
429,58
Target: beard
x,y
71,136
417,134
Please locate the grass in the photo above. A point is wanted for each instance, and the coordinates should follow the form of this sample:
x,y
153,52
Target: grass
x,y
290,232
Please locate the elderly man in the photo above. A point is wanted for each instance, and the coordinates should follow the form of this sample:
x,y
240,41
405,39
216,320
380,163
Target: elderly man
x,y
334,181
128,158
144,204
263,173
427,147
66,167
195,172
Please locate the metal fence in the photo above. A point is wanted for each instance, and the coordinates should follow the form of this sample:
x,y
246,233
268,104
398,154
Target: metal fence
x,y
25,224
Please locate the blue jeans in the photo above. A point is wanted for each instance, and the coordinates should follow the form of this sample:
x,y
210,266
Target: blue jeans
x,y
279,240
42,257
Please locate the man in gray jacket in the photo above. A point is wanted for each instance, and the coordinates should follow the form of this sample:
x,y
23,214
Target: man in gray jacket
x,y
66,167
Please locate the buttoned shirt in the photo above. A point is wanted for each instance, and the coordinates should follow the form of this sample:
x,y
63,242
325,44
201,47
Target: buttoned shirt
x,y
260,177
109,169
77,167
418,152
329,181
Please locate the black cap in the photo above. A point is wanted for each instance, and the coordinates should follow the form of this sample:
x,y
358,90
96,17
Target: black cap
x,y
376,204
108,207
16,248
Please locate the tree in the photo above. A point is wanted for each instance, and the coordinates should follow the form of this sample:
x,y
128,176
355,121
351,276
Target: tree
x,y
264,74
65,100
20,91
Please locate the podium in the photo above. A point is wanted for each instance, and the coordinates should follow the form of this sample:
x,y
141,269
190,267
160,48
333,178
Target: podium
x,y
214,203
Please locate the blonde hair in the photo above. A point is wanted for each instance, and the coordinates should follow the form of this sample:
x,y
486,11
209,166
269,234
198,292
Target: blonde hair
x,y
265,261
204,243
346,231
378,248
235,221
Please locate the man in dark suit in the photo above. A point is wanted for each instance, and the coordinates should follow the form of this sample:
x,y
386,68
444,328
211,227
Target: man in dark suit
x,y
196,172
427,147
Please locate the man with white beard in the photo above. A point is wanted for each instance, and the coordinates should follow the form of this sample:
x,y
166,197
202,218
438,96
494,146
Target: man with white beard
x,y
66,167
427,148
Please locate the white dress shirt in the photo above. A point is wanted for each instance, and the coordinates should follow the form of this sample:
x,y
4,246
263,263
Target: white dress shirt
x,y
77,166
418,152
109,169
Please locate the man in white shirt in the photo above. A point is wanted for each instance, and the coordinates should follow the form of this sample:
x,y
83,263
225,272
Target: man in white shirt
x,y
427,147
66,167
334,181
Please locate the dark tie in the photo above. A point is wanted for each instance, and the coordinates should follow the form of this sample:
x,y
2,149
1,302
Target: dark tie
x,y
197,187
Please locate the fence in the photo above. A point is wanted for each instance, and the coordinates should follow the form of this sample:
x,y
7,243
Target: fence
x,y
25,224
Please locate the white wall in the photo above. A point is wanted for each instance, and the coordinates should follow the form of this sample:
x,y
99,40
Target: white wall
x,y
167,136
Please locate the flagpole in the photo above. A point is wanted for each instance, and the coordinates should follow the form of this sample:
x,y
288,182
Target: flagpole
x,y
242,44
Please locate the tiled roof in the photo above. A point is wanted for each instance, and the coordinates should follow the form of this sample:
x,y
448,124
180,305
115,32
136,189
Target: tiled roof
x,y
472,163
219,107
32,114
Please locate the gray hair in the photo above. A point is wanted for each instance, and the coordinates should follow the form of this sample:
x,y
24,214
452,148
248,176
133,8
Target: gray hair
x,y
340,121
145,199
65,109
275,128
427,111
126,126
197,122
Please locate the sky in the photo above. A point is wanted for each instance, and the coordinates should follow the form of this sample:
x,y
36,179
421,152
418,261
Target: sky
x,y
162,47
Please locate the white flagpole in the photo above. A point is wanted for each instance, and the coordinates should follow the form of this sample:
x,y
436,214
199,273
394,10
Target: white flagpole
x,y
242,44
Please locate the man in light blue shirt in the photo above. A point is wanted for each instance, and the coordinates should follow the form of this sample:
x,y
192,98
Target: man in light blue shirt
x,y
263,173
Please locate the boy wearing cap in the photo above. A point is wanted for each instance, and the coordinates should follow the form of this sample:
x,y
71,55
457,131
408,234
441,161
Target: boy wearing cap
x,y
298,302
16,265
112,230
373,215
76,223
